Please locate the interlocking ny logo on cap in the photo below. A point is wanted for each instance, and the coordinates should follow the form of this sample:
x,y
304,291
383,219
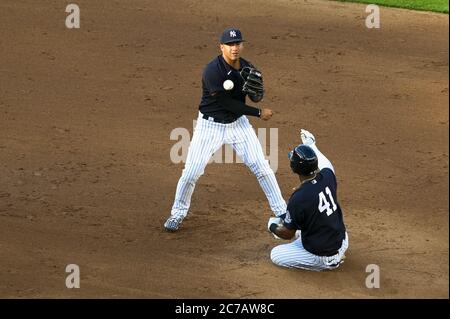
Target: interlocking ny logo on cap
x,y
231,35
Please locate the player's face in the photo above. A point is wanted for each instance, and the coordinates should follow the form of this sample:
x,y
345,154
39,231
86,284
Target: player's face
x,y
233,50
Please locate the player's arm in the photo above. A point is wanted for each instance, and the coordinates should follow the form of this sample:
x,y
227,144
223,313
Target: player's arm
x,y
309,139
235,106
324,162
284,226
282,231
239,108
214,82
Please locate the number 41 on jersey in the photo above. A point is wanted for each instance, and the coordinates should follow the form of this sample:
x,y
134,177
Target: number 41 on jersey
x,y
324,204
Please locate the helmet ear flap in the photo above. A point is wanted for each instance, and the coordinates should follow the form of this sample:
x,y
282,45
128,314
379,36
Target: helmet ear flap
x,y
294,162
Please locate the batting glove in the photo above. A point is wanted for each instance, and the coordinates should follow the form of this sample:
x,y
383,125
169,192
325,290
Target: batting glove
x,y
307,137
274,220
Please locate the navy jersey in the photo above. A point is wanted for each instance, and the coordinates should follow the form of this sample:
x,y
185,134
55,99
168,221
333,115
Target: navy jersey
x,y
215,73
314,209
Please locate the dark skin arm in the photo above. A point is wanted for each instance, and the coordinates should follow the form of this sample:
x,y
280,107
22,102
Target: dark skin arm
x,y
283,232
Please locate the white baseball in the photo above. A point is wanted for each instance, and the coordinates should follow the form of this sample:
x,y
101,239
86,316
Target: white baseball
x,y
228,85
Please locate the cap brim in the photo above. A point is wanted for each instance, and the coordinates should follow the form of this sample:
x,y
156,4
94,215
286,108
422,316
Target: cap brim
x,y
232,41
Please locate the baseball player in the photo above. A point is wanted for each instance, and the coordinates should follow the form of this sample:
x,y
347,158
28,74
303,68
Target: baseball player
x,y
313,213
222,118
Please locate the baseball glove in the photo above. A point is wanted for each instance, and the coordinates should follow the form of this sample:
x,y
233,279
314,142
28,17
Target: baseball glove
x,y
253,85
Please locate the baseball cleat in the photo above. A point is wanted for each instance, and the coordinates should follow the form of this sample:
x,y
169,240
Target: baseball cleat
x,y
307,137
173,223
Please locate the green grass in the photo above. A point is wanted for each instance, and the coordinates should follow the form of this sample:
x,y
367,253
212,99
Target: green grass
x,y
425,5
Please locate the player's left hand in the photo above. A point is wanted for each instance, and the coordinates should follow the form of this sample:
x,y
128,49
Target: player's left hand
x,y
253,85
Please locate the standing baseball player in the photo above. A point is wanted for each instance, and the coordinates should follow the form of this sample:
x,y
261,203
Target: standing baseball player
x,y
313,209
227,80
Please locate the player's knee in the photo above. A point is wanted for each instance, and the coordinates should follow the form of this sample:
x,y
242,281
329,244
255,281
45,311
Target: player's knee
x,y
275,256
261,168
191,175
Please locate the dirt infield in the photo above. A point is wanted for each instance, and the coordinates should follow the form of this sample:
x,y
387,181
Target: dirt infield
x,y
86,177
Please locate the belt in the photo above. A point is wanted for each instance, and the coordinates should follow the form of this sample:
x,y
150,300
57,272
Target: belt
x,y
223,121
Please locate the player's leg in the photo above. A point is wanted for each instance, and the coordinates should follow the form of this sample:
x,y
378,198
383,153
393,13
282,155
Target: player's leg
x,y
294,255
247,146
207,139
333,262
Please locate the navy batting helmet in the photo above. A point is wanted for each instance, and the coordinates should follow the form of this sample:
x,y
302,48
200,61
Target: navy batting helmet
x,y
303,160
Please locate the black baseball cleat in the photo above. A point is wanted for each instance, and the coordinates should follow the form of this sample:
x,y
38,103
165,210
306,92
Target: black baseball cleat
x,y
173,223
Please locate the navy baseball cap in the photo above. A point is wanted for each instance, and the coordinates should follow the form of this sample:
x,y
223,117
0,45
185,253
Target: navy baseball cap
x,y
231,35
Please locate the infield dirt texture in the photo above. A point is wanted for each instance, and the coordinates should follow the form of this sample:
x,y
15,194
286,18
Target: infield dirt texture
x,y
86,176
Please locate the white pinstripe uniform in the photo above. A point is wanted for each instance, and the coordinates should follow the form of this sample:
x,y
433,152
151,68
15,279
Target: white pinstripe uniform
x,y
294,255
208,137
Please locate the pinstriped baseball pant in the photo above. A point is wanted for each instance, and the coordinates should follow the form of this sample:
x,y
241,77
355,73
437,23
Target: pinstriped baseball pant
x,y
294,255
208,137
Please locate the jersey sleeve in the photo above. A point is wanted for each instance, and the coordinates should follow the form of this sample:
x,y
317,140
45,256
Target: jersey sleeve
x,y
323,161
329,175
294,215
235,106
213,80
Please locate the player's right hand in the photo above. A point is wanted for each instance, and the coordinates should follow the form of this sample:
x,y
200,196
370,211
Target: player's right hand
x,y
266,114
